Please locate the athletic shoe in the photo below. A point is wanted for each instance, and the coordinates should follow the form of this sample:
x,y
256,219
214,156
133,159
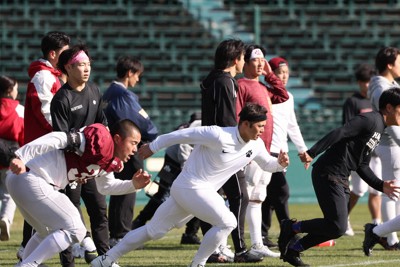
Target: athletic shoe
x,y
91,255
103,261
349,230
263,251
370,239
395,246
114,241
268,242
227,252
285,235
218,258
293,257
4,229
190,239
198,265
20,252
246,256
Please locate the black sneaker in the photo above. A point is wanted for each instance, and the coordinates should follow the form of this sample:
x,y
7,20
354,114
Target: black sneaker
x,y
190,240
293,257
285,235
247,256
370,239
218,258
268,242
90,255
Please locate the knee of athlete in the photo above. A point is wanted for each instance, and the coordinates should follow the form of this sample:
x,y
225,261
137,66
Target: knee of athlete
x,y
229,221
339,229
357,192
76,235
156,232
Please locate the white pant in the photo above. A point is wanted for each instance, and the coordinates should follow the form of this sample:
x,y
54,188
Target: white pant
x,y
359,187
390,160
257,181
8,206
43,207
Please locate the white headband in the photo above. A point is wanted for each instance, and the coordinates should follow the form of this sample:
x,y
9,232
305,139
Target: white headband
x,y
256,53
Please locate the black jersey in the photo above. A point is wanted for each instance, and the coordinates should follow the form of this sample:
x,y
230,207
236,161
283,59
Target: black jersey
x,y
218,102
348,148
71,109
355,105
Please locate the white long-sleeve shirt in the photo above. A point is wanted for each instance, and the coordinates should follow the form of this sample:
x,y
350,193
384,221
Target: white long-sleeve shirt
x,y
285,124
44,158
218,153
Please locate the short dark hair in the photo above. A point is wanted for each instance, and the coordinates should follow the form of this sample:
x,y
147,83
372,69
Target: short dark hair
x,y
390,96
128,63
364,72
53,41
250,48
6,85
123,128
68,54
227,51
253,113
385,56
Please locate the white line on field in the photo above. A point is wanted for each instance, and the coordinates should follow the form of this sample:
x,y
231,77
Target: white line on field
x,y
362,263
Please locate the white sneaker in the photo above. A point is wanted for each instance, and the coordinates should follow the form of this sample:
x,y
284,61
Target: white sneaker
x,y
263,251
103,261
198,265
226,251
20,252
4,229
349,230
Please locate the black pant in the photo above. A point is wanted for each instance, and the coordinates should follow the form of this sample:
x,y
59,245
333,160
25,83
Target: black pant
x,y
96,207
277,199
333,195
121,208
238,198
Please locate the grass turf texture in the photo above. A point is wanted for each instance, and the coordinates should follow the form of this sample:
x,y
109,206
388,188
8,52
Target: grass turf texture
x,y
168,251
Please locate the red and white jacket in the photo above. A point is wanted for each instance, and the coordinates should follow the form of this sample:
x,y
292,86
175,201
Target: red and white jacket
x,y
43,85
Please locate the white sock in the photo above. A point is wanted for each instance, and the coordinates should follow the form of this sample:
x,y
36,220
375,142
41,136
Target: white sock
x,y
88,244
32,244
53,244
388,227
210,242
253,218
131,241
388,213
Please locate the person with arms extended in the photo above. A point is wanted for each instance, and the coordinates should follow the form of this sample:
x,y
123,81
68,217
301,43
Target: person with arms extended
x,y
56,159
356,104
174,159
11,135
251,89
347,148
45,81
218,153
78,103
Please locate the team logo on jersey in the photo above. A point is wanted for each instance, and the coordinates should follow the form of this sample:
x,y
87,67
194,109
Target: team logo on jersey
x,y
249,153
373,142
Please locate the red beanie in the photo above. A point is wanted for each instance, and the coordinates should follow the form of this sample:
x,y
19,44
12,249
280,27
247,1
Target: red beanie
x,y
277,62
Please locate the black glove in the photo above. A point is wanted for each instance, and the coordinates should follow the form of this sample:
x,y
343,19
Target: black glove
x,y
73,141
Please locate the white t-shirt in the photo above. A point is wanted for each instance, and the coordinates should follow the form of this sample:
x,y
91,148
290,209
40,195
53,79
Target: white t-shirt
x,y
219,152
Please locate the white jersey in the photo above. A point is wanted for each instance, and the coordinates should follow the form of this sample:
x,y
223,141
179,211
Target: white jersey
x,y
45,159
219,152
285,123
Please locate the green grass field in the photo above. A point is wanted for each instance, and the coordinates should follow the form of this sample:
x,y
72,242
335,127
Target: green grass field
x,y
168,252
